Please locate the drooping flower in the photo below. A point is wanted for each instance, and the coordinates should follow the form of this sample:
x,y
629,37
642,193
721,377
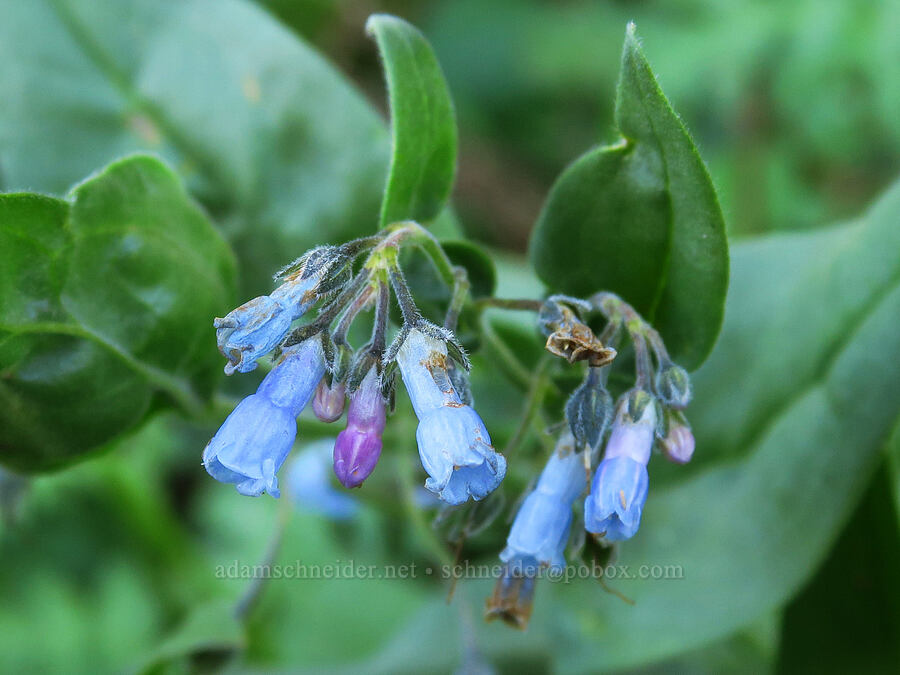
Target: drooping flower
x,y
454,445
358,447
251,445
253,442
540,530
254,329
619,488
309,484
293,381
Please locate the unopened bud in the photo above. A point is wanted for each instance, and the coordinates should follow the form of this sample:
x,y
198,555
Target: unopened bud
x,y
328,403
358,447
589,411
673,384
678,443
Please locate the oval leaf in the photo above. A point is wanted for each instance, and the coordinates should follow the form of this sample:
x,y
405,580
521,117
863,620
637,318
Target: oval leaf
x,y
105,300
423,124
267,134
641,218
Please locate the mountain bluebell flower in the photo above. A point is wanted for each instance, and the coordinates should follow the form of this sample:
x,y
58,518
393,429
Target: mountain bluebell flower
x,y
454,445
358,447
619,488
253,442
540,530
256,327
293,381
309,484
251,445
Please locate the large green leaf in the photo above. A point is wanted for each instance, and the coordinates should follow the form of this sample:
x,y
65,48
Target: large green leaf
x,y
105,300
852,625
893,468
806,370
274,141
423,125
641,218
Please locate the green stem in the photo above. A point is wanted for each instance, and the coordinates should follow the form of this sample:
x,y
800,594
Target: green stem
x,y
522,304
458,298
642,364
424,530
250,597
411,313
533,401
433,249
355,307
514,368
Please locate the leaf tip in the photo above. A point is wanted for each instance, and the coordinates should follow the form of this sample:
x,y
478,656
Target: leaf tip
x,y
371,23
375,21
632,41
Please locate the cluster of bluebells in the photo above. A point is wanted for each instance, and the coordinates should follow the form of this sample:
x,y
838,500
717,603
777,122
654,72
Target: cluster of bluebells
x,y
314,362
616,439
597,474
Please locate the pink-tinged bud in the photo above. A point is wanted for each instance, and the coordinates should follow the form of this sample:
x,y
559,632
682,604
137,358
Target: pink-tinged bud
x,y
678,445
358,447
328,403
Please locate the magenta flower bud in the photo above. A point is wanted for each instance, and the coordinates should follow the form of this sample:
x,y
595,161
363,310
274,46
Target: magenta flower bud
x,y
358,447
678,445
328,403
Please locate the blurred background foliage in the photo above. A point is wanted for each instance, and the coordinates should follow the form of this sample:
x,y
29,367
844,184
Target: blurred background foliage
x,y
110,566
792,105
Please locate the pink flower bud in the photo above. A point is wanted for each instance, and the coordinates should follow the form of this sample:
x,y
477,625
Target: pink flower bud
x,y
358,447
678,445
328,404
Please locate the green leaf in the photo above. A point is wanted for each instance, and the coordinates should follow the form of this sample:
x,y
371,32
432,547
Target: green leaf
x,y
423,160
278,146
893,468
848,617
806,370
641,218
106,300
478,264
211,631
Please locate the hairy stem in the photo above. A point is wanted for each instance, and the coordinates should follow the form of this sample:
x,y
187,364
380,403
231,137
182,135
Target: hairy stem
x,y
411,313
523,304
458,298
